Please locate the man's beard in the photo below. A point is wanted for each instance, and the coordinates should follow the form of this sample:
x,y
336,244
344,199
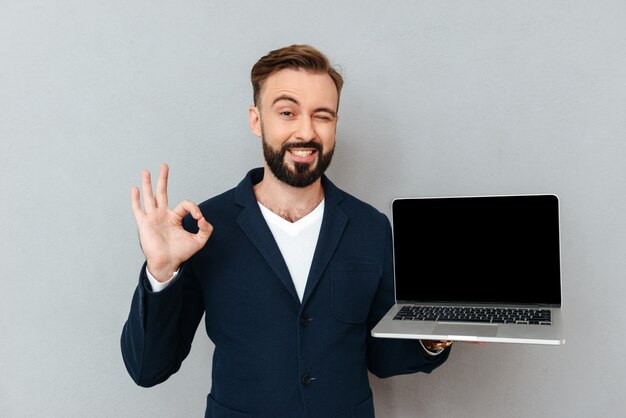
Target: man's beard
x,y
303,174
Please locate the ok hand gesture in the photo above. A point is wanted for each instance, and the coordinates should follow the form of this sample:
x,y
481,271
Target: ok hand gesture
x,y
164,241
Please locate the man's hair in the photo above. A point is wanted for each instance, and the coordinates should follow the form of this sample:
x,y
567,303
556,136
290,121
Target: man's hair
x,y
295,57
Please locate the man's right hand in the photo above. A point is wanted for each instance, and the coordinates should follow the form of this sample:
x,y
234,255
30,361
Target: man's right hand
x,y
164,241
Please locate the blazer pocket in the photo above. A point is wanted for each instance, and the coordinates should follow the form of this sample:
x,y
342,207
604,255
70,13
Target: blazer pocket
x,y
353,287
217,410
365,409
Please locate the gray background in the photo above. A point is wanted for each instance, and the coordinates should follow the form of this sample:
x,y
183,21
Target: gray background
x,y
441,98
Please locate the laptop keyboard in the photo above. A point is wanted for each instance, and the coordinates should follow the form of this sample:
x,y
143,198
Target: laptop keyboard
x,y
475,314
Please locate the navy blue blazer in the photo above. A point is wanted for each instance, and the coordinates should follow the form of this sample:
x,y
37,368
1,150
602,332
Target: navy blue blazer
x,y
275,356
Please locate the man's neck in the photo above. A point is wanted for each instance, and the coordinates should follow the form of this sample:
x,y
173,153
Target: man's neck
x,y
288,202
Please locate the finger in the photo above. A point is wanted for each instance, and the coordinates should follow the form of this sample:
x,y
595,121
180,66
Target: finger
x,y
205,230
136,203
148,198
185,207
161,187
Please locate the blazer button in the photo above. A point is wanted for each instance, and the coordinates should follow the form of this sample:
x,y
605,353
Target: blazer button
x,y
307,380
304,321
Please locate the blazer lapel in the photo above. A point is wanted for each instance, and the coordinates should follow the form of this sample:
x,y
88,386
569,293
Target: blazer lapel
x,y
254,226
333,226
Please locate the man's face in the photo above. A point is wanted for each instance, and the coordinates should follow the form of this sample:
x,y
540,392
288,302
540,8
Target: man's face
x,y
297,119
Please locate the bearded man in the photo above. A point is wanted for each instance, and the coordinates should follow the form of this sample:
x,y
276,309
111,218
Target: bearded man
x,y
290,271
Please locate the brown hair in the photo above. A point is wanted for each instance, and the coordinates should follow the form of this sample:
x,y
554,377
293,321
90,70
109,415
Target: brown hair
x,y
297,57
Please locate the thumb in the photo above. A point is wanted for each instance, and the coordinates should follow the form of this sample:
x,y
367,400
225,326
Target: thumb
x,y
204,230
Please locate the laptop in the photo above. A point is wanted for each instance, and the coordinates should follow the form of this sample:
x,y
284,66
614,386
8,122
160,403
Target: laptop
x,y
477,268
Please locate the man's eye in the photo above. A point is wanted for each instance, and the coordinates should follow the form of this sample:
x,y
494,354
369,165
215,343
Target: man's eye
x,y
286,113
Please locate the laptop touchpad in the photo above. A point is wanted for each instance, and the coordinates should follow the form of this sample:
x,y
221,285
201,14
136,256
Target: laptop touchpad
x,y
466,329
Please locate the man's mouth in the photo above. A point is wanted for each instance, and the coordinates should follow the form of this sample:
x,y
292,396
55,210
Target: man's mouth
x,y
301,152
304,153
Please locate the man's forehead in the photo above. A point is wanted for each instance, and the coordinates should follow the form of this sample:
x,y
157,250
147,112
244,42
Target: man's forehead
x,y
299,84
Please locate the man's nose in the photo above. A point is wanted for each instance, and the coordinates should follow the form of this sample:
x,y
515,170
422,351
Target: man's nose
x,y
306,130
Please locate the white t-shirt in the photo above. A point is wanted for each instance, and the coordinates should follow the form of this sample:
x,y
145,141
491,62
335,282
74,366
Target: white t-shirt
x,y
296,242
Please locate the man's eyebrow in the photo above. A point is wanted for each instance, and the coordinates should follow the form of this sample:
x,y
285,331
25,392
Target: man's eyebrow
x,y
285,97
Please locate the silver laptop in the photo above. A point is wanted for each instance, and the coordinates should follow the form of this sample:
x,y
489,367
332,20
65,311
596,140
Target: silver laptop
x,y
481,268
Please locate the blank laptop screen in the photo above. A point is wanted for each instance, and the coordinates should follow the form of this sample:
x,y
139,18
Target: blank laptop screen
x,y
496,249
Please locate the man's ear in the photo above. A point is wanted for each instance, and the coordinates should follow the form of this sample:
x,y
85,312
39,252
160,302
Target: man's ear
x,y
254,116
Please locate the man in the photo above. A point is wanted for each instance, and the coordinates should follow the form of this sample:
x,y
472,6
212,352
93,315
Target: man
x,y
291,272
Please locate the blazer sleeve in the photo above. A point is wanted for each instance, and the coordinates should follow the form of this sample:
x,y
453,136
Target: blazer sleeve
x,y
390,357
157,335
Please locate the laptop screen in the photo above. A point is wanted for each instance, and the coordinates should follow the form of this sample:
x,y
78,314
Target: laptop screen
x,y
483,250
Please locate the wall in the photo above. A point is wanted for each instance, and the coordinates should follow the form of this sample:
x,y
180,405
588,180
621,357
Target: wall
x,y
441,98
